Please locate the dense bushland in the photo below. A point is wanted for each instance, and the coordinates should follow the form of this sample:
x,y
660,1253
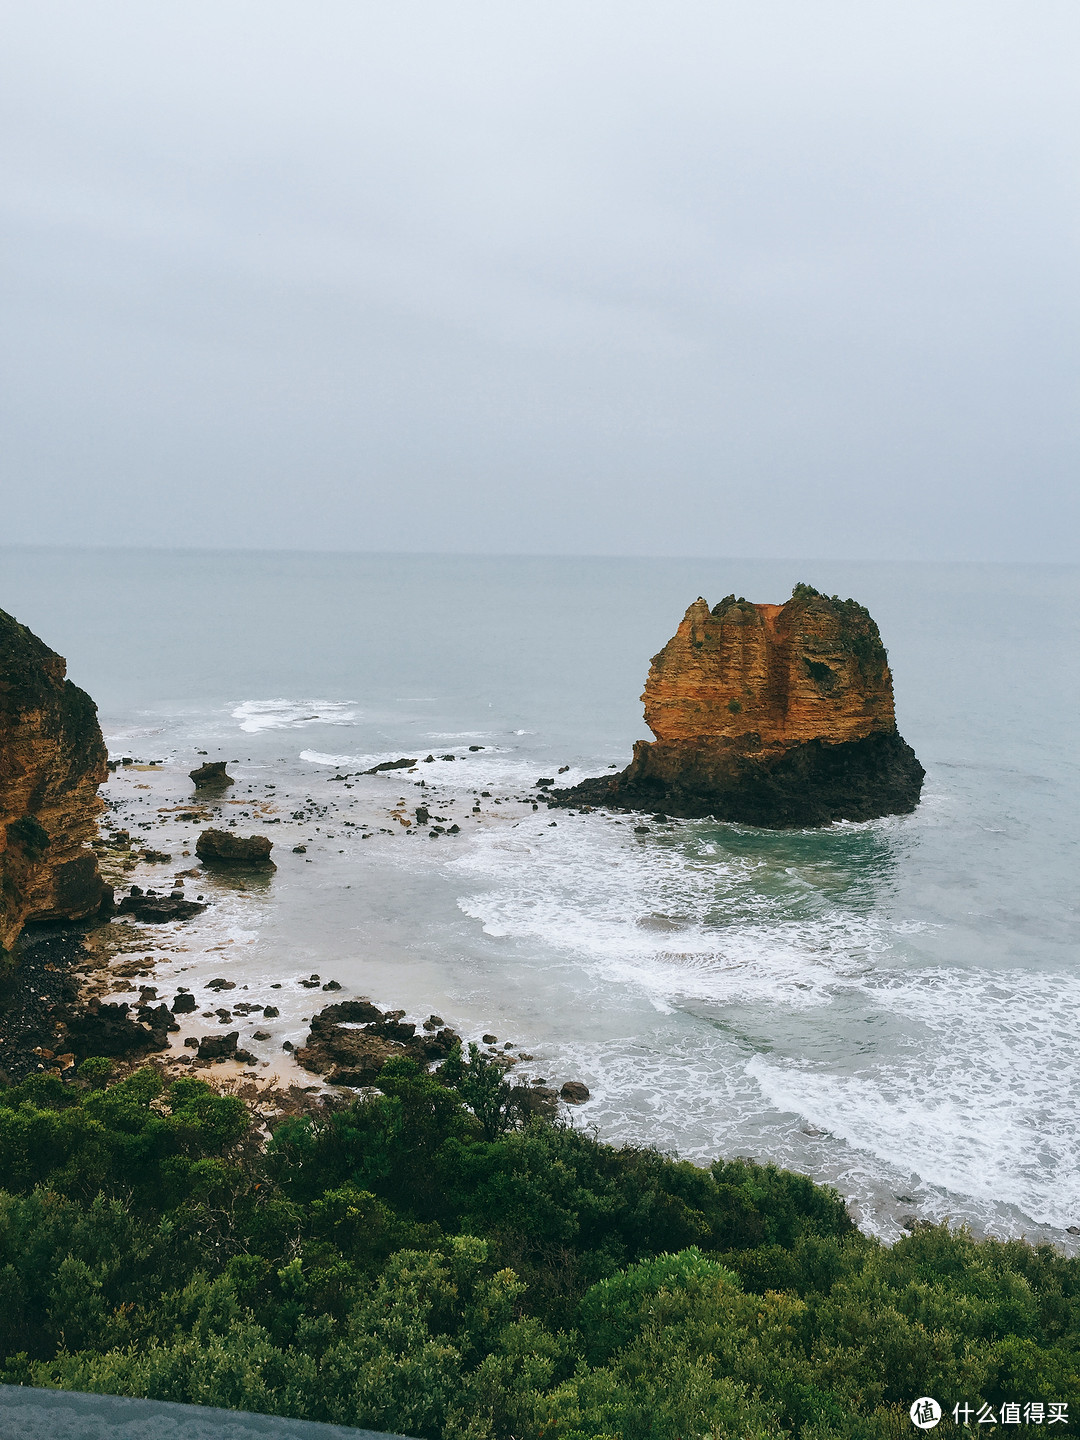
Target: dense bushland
x,y
401,1264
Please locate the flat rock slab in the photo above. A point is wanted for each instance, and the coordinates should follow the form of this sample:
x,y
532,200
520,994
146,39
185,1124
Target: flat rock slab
x,y
158,909
224,847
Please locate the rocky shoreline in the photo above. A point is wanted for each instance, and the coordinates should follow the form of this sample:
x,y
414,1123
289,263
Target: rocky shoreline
x,y
53,1018
152,976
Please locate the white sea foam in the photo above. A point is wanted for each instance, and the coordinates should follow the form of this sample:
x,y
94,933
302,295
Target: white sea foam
x,y
503,772
257,715
980,1102
382,757
353,762
457,734
974,1092
500,770
133,732
649,915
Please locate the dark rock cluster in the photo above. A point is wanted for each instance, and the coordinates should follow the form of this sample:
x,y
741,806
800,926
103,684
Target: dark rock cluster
x,y
352,1040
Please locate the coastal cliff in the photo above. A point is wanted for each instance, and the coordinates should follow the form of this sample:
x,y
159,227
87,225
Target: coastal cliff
x,y
52,760
772,715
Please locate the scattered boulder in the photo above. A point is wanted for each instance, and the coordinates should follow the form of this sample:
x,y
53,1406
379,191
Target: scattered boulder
x,y
219,847
183,1005
423,815
212,773
220,984
574,1092
218,1047
390,765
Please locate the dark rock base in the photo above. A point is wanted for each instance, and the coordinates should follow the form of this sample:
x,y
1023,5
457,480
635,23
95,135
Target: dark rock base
x,y
804,786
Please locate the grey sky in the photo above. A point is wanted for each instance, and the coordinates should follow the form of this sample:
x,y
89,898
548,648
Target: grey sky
x,y
605,277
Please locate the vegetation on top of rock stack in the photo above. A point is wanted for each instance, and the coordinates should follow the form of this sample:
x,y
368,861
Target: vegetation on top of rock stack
x,y
857,632
384,1264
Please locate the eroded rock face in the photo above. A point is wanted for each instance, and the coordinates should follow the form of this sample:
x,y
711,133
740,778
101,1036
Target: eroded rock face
x,y
773,715
52,760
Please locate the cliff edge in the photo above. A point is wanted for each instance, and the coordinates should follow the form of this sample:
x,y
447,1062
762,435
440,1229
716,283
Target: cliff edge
x,y
52,760
771,715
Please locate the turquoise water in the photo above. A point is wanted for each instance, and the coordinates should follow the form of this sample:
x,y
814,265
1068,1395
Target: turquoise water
x,y
892,1007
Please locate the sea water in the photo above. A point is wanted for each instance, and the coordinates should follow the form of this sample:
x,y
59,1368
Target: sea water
x,y
891,1007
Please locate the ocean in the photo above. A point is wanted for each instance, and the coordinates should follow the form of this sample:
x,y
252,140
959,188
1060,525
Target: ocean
x,y
892,1008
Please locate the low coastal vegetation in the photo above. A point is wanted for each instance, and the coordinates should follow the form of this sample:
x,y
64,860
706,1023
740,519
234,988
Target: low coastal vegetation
x,y
437,1260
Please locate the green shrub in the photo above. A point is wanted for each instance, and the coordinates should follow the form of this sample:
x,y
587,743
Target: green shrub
x,y
426,1262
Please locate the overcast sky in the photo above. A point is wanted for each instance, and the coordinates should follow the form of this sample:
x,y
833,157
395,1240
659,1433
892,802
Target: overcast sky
x,y
781,277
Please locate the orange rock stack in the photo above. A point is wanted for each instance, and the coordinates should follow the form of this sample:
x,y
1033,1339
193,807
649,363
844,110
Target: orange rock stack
x,y
773,715
52,760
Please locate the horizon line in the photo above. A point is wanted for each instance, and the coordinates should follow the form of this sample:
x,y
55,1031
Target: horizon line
x,y
531,554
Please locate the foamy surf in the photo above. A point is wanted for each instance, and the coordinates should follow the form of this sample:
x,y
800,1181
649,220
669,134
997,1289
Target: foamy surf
x,y
675,918
258,715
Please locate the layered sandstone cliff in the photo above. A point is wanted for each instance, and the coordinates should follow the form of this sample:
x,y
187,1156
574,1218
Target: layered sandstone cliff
x,y
775,715
52,760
